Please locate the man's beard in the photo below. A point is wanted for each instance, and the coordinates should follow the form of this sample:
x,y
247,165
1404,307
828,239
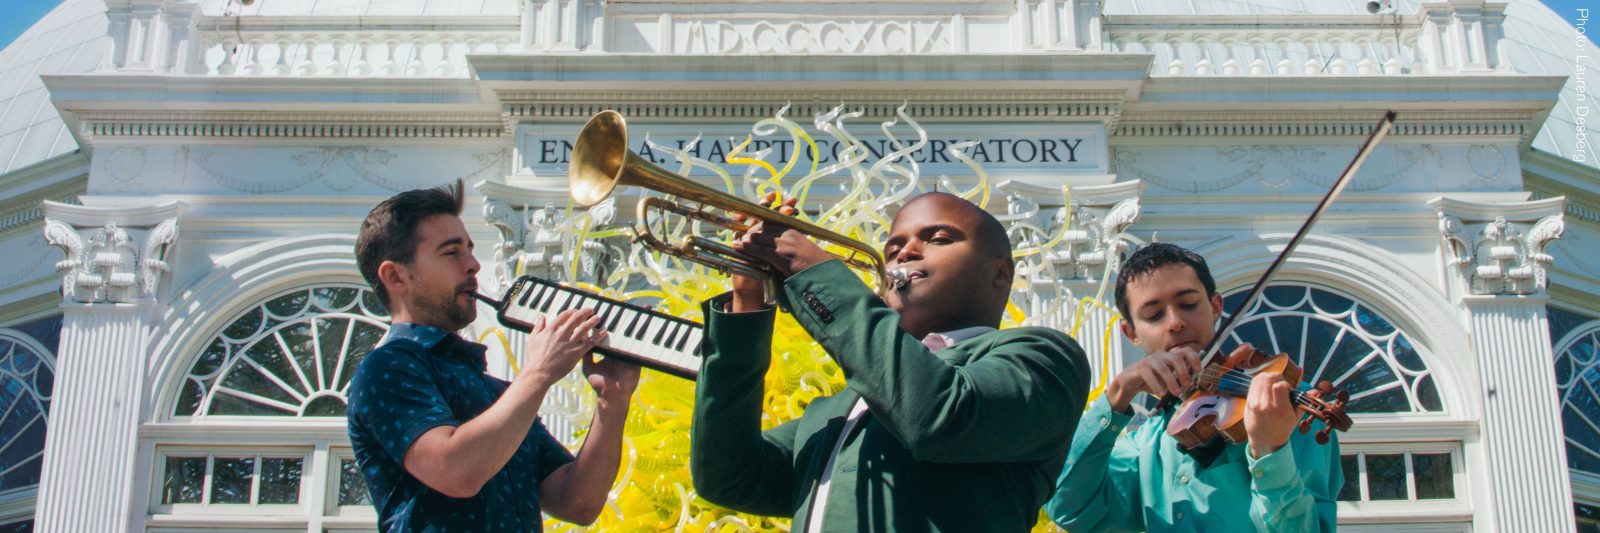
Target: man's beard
x,y
448,312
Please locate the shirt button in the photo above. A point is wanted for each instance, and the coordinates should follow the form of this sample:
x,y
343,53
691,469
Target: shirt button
x,y
1104,422
1259,474
1184,480
1180,515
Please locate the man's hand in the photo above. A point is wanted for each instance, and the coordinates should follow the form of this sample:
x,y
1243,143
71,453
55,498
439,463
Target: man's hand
x,y
1158,374
614,381
554,347
1269,414
787,250
795,253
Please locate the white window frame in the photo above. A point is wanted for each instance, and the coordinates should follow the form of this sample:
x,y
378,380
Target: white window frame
x,y
1456,509
205,507
331,507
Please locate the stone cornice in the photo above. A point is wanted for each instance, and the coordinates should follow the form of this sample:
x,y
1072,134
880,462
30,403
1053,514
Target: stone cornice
x,y
76,92
377,24
1322,93
276,124
1262,23
27,209
966,72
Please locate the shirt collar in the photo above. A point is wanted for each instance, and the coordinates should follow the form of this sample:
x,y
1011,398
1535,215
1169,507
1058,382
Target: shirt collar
x,y
423,334
951,338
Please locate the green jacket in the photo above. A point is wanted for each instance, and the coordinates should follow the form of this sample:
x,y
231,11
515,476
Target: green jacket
x,y
968,439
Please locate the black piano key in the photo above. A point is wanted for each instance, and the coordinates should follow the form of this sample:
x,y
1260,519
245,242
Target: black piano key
x,y
661,333
684,340
527,290
616,316
633,324
678,331
546,299
545,293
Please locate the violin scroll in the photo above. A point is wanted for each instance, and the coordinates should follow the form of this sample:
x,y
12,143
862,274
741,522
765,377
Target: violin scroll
x,y
1326,404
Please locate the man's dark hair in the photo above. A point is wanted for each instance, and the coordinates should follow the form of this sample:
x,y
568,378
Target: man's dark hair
x,y
1154,256
389,232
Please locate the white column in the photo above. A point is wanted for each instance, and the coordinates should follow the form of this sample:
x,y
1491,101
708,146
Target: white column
x,y
1522,434
530,25
1494,253
115,261
88,461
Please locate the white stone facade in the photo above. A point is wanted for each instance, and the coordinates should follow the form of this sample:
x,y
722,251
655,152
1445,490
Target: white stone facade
x,y
227,153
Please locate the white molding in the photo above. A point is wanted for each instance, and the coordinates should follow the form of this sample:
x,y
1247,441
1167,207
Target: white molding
x,y
1516,212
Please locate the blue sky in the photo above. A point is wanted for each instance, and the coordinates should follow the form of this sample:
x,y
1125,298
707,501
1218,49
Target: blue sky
x,y
20,14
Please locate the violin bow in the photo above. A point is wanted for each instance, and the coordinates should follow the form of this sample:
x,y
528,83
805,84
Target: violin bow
x,y
1232,321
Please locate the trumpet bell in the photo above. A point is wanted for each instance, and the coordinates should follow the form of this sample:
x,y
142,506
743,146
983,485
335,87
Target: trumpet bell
x,y
601,161
598,158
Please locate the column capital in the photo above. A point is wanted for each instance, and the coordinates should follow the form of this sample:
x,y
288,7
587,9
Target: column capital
x,y
1498,248
538,234
113,255
1089,231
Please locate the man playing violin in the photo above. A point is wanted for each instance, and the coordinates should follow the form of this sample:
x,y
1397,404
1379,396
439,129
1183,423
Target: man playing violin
x,y
443,445
1138,479
946,424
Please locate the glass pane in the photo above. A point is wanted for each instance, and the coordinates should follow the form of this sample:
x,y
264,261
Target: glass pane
x,y
352,487
1434,476
231,478
25,526
184,479
325,406
330,337
1351,466
245,326
1386,477
334,298
280,480
23,475
303,355
290,304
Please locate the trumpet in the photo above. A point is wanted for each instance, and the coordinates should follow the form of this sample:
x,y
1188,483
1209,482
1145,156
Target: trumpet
x,y
601,161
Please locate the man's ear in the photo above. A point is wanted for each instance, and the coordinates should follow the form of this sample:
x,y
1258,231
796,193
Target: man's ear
x,y
1127,331
1216,307
1005,273
392,275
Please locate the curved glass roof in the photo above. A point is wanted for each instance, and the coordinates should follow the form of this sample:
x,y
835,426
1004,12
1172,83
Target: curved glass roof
x,y
69,39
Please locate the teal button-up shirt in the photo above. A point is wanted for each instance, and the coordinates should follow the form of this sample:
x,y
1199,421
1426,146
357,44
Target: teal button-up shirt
x,y
1137,480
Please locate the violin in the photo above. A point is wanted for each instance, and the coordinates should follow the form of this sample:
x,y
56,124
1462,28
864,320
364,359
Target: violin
x,y
1217,405
1215,401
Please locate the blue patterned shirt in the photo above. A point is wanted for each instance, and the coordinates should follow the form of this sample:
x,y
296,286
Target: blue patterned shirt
x,y
420,378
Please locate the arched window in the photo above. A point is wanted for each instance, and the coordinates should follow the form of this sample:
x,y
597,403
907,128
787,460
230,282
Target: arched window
x,y
1336,338
292,355
27,380
27,373
1577,357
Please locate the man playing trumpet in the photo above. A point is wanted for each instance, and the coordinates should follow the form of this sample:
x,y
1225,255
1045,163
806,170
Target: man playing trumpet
x,y
946,424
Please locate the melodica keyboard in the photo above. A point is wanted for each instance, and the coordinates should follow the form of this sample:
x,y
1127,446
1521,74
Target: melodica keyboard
x,y
648,338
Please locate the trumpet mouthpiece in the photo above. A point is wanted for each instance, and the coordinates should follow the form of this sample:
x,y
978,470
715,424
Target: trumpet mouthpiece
x,y
899,279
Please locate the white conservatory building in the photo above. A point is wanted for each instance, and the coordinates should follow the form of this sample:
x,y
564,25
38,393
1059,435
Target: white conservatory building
x,y
183,181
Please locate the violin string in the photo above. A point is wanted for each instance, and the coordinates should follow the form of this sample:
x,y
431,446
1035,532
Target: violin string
x,y
1241,380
